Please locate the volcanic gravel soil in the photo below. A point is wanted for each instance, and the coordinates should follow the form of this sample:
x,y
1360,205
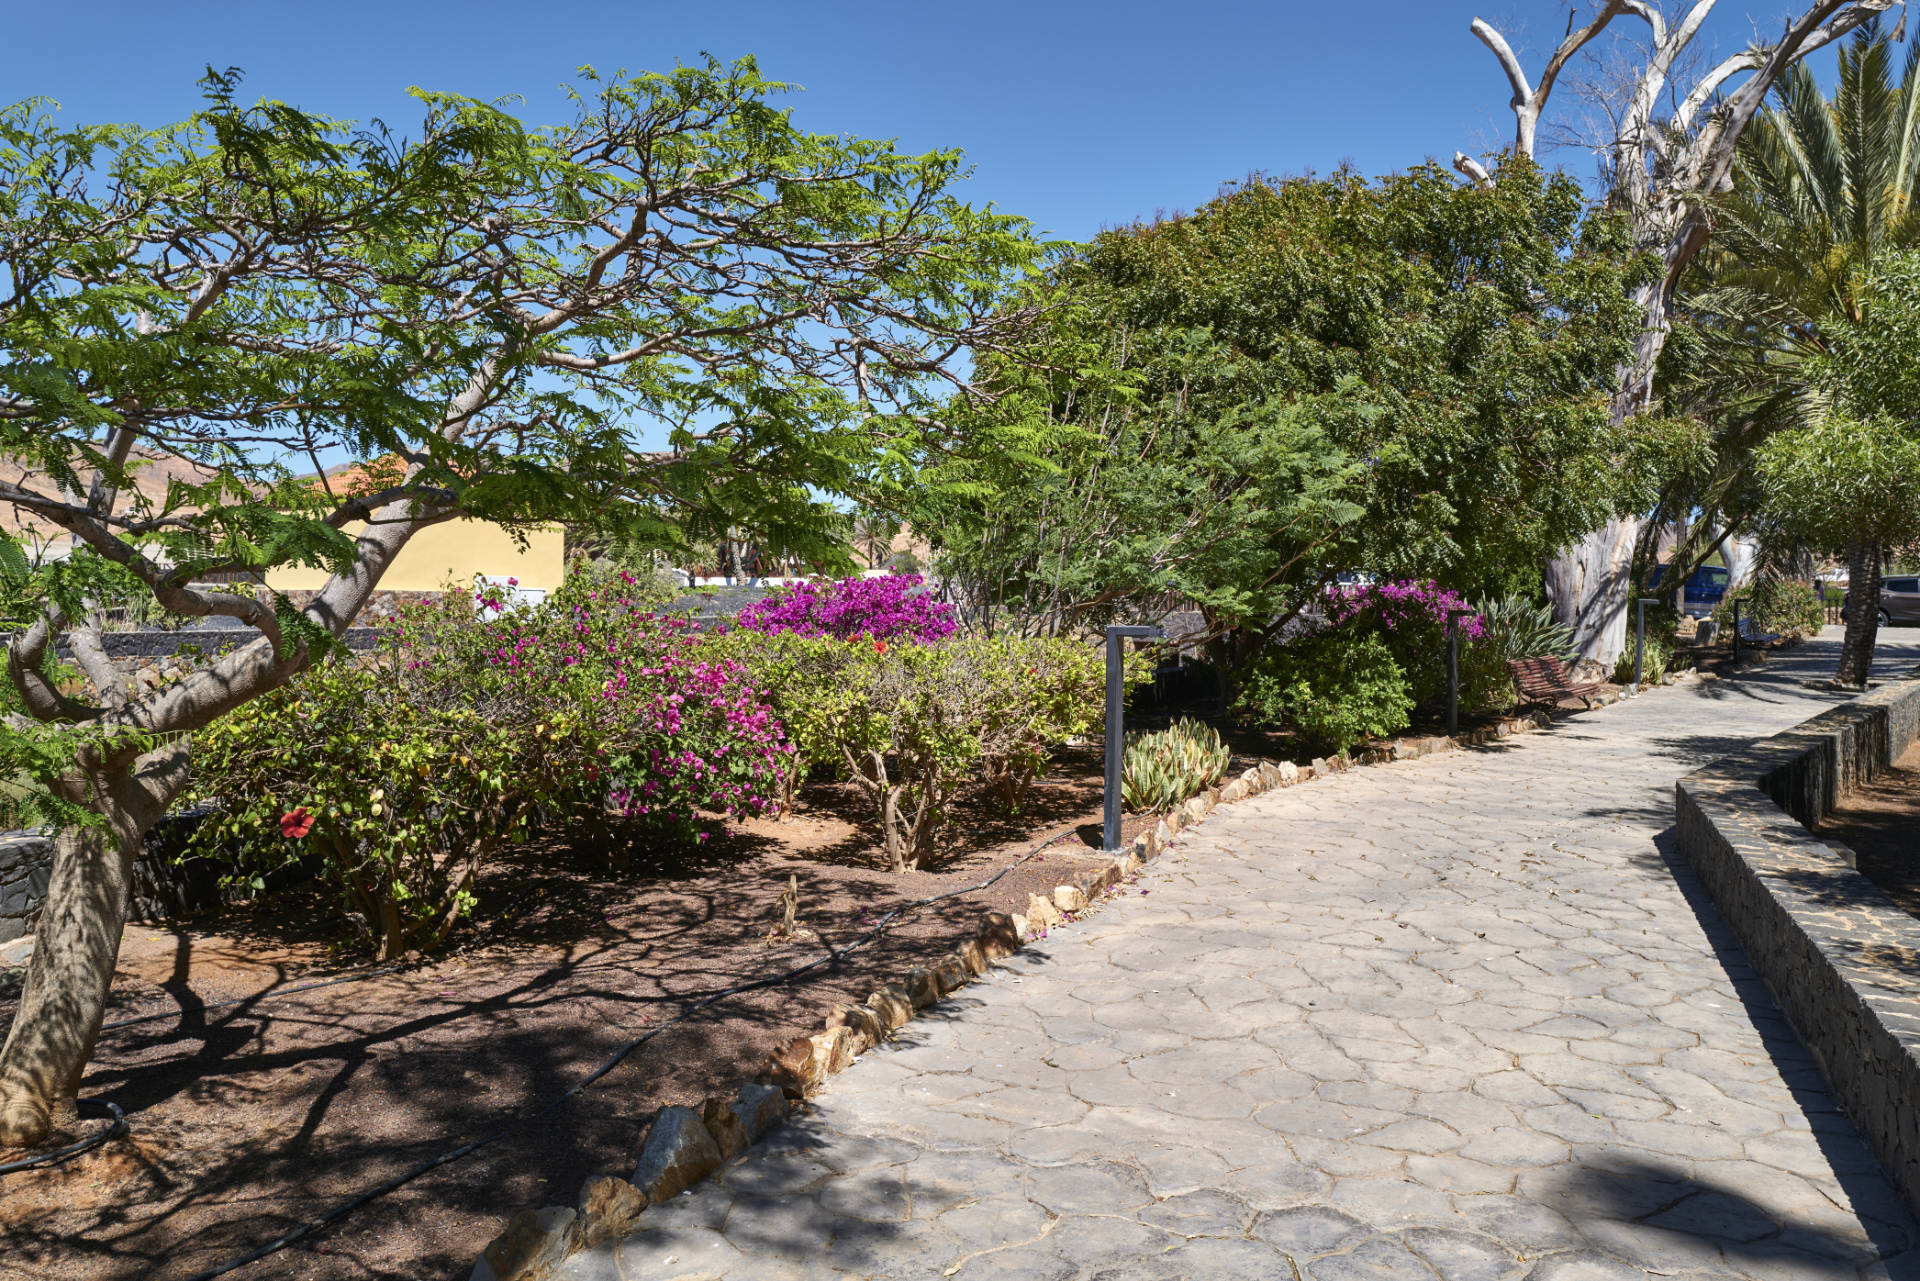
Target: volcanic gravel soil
x,y
252,1118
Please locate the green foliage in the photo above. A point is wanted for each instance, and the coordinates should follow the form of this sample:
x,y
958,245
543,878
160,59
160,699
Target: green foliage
x,y
927,718
1037,695
404,789
1783,606
1653,664
1162,769
1840,478
1407,375
1515,628
814,685
1805,302
646,588
1338,685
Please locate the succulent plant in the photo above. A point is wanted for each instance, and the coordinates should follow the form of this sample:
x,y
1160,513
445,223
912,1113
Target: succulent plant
x,y
1162,769
1517,628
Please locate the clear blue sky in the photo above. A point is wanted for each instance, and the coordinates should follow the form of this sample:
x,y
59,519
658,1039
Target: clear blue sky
x,y
1076,115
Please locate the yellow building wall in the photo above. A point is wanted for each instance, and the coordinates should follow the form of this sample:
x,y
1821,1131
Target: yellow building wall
x,y
455,552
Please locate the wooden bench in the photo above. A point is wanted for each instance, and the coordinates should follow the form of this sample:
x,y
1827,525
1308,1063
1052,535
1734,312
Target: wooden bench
x,y
1544,680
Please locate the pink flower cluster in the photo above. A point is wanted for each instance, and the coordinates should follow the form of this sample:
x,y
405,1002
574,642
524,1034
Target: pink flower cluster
x,y
883,608
1396,605
618,712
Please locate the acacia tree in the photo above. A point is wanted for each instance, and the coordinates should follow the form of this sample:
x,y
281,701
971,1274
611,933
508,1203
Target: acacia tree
x,y
1663,168
496,311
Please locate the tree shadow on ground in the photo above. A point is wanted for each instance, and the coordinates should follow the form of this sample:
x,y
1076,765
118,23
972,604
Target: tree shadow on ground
x,y
1888,1223
256,1116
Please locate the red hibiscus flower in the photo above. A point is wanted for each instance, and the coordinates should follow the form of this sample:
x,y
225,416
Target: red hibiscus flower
x,y
296,824
879,647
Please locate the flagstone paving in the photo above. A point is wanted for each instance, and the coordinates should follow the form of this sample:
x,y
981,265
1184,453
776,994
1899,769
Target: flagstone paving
x,y
1463,1018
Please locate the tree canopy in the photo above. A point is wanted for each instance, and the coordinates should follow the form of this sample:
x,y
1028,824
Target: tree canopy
x,y
676,306
1405,376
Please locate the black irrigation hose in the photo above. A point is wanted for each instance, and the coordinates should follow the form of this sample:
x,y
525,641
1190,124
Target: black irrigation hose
x,y
405,1177
87,1107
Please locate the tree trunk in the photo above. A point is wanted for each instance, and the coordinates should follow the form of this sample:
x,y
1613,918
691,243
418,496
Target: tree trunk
x,y
76,945
1589,585
1742,554
1863,613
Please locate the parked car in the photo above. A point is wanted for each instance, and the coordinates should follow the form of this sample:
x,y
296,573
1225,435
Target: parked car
x,y
1706,587
1899,600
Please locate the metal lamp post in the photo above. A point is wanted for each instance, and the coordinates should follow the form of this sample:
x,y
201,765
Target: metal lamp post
x,y
1640,635
1453,668
1116,729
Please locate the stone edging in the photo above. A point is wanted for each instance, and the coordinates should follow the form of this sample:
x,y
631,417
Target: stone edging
x,y
685,1145
1840,957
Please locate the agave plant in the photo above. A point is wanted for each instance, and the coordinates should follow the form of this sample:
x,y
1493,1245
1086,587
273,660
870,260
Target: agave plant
x,y
1161,770
1518,629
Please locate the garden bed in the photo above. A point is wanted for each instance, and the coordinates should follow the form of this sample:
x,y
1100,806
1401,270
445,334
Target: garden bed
x,y
250,1119
1880,822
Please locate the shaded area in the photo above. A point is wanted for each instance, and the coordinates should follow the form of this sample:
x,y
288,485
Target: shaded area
x,y
250,1118
1880,822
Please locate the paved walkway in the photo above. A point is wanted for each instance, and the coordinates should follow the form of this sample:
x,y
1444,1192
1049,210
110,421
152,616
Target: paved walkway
x,y
1460,1018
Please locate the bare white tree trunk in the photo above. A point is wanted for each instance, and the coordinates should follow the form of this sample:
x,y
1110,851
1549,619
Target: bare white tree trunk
x,y
1590,584
1742,554
1663,170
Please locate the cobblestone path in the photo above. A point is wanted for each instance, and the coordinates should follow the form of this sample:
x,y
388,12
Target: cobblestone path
x,y
1460,1018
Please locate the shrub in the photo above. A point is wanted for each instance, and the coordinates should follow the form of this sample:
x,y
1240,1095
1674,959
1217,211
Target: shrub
x,y
888,607
1161,770
399,792
1785,606
1338,685
809,682
406,768
1410,618
1653,664
1038,693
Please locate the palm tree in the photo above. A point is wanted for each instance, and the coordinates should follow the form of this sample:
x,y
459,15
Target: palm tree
x,y
1821,188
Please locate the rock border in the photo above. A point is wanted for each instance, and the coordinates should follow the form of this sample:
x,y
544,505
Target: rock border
x,y
684,1145
1841,959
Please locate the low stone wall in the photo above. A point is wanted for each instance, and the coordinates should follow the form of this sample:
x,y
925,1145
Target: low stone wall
x,y
162,887
1839,956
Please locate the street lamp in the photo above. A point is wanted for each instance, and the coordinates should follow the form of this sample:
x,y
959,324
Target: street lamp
x,y
1453,669
1116,729
1640,635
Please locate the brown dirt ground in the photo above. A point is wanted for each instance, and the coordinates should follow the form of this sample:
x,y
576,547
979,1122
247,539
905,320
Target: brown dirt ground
x,y
1881,823
252,1118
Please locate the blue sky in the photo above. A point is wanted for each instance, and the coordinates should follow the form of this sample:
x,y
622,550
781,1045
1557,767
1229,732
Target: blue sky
x,y
1076,115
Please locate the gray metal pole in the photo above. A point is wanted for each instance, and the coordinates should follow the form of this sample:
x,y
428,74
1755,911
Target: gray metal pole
x,y
1736,628
1453,668
1116,725
1640,636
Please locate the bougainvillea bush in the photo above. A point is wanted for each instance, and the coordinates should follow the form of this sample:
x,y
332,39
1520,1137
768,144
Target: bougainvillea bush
x,y
404,769
887,607
1410,618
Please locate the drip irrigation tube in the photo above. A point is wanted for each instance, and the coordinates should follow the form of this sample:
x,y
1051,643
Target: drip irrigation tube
x,y
833,957
87,1107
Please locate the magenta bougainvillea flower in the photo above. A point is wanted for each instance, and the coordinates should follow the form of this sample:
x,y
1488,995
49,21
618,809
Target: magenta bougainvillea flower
x,y
889,607
1396,604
